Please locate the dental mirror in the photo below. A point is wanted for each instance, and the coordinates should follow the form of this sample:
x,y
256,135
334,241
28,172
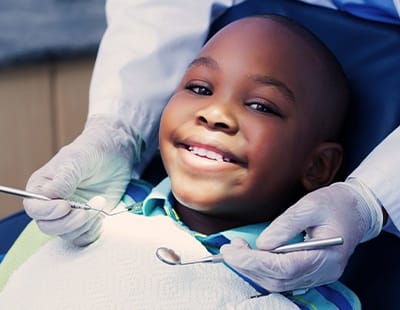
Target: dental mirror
x,y
170,257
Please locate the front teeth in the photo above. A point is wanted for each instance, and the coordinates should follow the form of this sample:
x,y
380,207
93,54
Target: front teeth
x,y
207,153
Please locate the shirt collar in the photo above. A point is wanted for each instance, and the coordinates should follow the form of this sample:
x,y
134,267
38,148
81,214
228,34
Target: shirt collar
x,y
160,202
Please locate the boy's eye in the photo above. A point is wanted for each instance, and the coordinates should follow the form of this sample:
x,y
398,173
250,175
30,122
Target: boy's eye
x,y
199,89
263,108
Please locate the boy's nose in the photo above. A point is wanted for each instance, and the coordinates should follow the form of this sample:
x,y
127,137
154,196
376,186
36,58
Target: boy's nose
x,y
218,117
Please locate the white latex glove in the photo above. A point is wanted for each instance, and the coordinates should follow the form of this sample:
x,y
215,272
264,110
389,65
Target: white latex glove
x,y
98,162
342,209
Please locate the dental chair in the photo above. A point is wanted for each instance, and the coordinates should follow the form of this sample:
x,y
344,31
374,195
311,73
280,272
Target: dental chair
x,y
370,55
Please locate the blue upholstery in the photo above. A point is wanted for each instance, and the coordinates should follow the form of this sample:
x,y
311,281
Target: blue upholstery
x,y
370,55
10,228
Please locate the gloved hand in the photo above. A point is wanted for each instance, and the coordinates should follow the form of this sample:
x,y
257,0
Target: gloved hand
x,y
98,162
343,209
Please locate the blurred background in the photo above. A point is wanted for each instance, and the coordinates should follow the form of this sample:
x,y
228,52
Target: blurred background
x,y
47,54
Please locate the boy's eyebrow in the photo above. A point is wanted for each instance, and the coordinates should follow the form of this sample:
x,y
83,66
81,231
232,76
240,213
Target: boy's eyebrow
x,y
262,79
205,61
270,81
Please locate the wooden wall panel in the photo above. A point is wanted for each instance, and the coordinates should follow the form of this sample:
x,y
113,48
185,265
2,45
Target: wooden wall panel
x,y
42,108
26,140
71,86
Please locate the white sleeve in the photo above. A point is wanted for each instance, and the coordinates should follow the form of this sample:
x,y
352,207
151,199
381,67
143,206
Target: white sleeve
x,y
380,172
143,54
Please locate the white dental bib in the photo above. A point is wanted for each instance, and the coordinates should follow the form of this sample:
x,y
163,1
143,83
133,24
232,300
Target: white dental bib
x,y
121,271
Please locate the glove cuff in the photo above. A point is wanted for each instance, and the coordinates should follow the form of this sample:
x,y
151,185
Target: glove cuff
x,y
370,209
123,138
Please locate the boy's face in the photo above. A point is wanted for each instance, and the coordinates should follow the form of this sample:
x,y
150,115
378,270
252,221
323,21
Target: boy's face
x,y
236,135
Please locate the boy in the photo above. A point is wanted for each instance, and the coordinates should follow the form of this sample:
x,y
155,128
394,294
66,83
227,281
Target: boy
x,y
252,126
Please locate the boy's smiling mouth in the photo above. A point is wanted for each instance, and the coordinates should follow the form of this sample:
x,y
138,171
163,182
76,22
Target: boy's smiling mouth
x,y
209,154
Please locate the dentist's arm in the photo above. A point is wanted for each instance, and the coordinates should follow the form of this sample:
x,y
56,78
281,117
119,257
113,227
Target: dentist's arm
x,y
380,173
352,209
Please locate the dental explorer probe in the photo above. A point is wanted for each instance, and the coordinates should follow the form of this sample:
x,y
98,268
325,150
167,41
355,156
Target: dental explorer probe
x,y
73,204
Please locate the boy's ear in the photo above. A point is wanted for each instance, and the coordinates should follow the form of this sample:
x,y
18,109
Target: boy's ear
x,y
322,166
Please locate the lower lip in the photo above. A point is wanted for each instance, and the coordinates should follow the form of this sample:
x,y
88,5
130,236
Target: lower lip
x,y
194,161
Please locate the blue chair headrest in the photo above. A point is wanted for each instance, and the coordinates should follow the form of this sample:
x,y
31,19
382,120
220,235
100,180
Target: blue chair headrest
x,y
369,53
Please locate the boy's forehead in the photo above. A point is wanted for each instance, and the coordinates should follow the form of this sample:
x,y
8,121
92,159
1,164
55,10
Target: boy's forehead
x,y
264,40
257,29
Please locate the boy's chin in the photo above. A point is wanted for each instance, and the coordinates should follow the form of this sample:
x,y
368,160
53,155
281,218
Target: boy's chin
x,y
202,191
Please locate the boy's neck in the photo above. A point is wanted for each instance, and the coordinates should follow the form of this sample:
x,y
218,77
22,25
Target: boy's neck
x,y
205,223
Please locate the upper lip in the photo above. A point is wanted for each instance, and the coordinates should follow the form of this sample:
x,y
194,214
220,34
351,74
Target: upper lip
x,y
212,146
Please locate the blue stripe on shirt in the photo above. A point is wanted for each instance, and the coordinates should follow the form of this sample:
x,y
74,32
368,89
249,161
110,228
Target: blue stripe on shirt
x,y
334,296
